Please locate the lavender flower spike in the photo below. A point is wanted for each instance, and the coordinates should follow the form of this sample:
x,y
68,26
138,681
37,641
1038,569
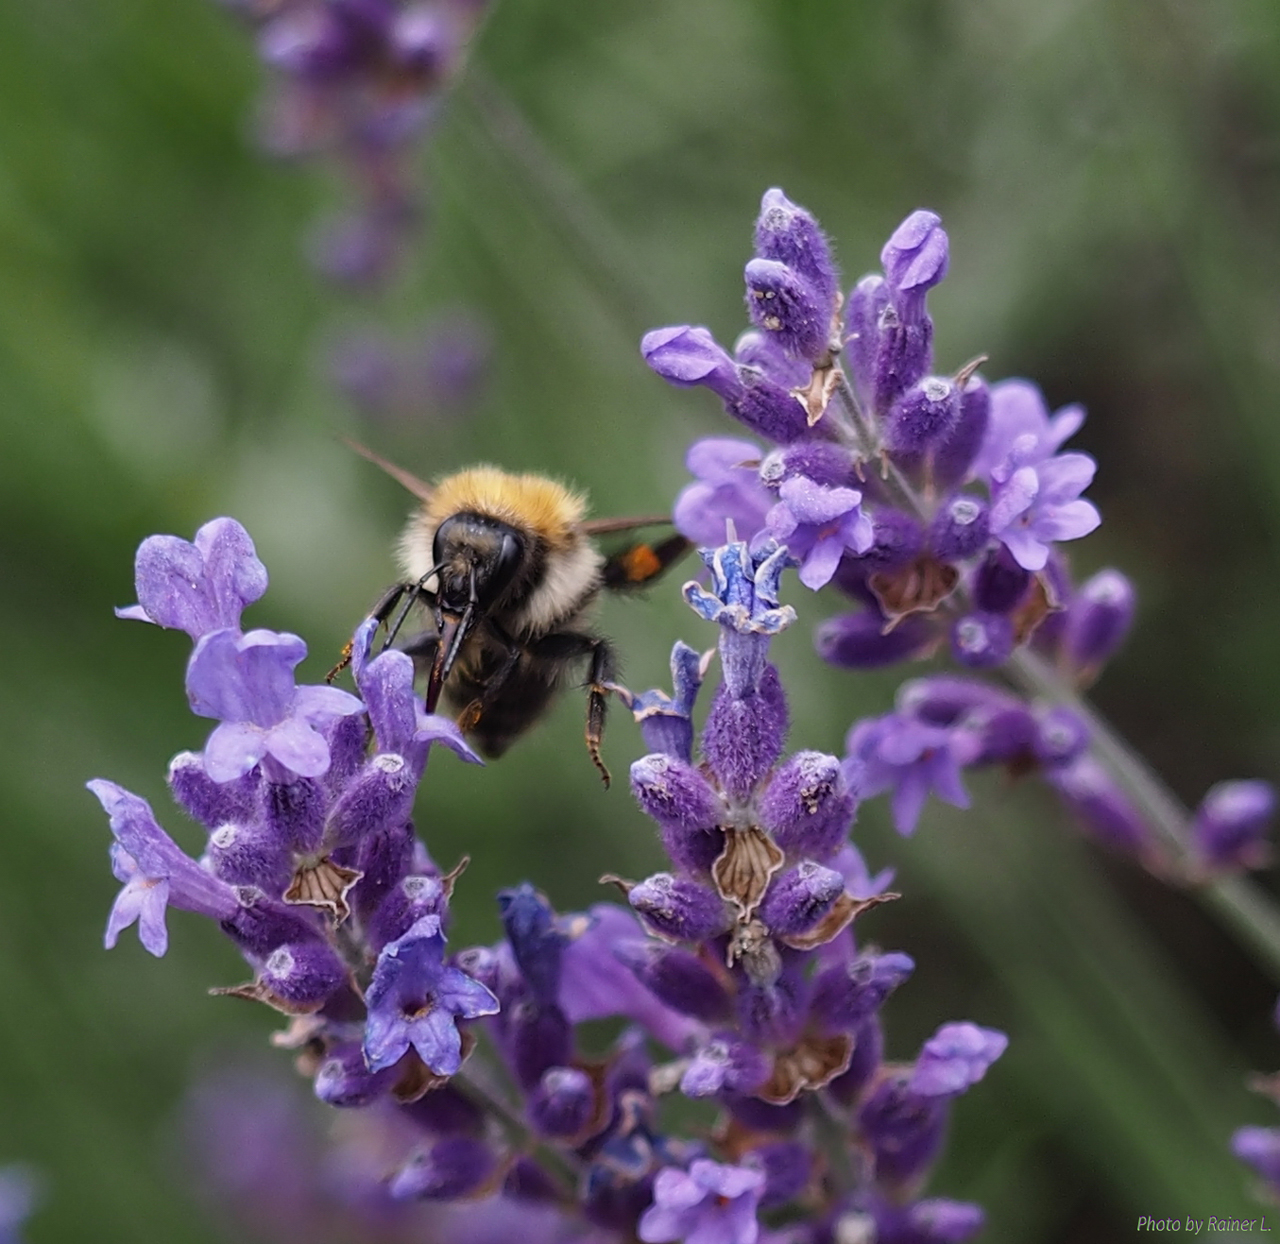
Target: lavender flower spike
x,y
710,1204
416,1000
156,872
197,587
246,682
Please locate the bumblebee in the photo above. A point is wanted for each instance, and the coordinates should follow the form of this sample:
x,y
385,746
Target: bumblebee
x,y
509,572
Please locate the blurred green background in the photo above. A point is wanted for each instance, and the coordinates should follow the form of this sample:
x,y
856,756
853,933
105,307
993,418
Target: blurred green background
x,y
1109,174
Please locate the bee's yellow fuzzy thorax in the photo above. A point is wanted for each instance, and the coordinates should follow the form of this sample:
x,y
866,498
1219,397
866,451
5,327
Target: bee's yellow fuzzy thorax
x,y
532,502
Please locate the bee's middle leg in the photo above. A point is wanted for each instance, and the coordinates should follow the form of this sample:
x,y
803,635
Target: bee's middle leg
x,y
603,668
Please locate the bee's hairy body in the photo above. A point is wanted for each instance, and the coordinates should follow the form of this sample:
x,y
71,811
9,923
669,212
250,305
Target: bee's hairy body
x,y
544,610
507,568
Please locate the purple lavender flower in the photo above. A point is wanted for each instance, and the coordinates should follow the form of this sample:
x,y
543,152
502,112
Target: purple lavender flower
x,y
1035,491
197,587
819,525
727,487
912,758
155,872
708,1204
246,682
415,1000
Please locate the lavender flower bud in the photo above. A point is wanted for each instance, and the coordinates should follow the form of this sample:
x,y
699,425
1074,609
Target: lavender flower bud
x,y
563,1102
955,455
678,978
783,303
866,304
922,417
451,1169
294,813
249,855
807,806
380,797
819,461
960,529
538,946
955,1058
768,409
859,641
1088,790
684,804
743,738
789,234
903,1128
344,1080
385,858
209,802
679,908
1060,737
303,974
1000,583
1230,826
1097,621
686,356
799,898
402,906
539,1037
847,994
915,259
982,640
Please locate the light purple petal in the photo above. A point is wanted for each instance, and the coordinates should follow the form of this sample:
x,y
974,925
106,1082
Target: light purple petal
x,y
1013,499
320,705
299,748
234,677
233,749
168,575
908,801
135,613
436,1038
1064,425
1065,477
386,683
715,456
820,565
463,995
1068,522
152,932
1029,552
386,1040
234,577
434,728
817,503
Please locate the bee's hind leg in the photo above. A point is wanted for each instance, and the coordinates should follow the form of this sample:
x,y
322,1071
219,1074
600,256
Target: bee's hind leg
x,y
603,670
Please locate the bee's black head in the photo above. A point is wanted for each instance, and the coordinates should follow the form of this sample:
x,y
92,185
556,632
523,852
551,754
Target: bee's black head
x,y
473,549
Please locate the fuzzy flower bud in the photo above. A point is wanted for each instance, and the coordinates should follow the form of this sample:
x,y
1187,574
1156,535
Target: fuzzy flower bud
x,y
1231,824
